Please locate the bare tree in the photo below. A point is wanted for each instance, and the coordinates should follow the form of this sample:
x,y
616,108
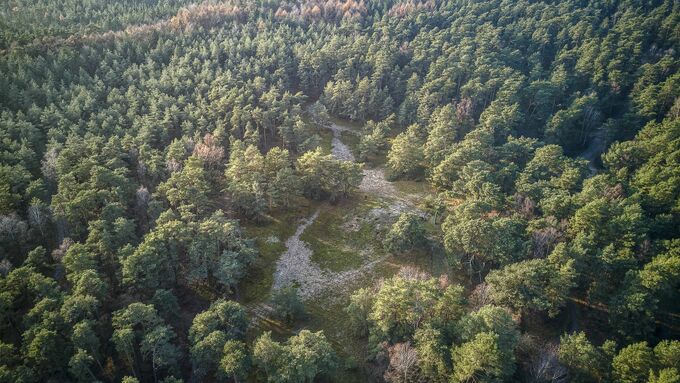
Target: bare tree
x,y
12,229
58,253
403,366
479,297
545,239
525,205
540,361
464,109
142,198
210,151
444,281
38,217
412,272
48,166
5,267
173,165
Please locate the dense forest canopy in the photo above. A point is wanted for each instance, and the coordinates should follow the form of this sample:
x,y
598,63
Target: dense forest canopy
x,y
148,148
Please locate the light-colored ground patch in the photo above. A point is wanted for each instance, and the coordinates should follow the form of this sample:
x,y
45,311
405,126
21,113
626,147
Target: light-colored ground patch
x,y
339,149
374,182
296,265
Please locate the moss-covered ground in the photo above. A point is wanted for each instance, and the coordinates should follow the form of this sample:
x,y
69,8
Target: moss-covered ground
x,y
336,246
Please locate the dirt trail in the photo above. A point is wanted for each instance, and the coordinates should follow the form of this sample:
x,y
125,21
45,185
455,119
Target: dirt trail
x,y
338,148
374,182
295,266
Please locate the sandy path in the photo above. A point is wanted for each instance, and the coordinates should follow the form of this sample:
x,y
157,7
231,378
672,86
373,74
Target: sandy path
x,y
338,148
295,266
374,182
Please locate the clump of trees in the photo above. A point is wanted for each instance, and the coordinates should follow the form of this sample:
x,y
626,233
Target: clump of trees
x,y
373,140
286,304
637,362
406,157
258,183
322,176
421,326
302,358
407,233
217,342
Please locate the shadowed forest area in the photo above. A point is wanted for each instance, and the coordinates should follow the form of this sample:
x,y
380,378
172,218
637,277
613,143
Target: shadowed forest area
x,y
400,191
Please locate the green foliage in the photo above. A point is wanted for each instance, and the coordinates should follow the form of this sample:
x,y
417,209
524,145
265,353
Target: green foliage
x,y
405,234
402,305
405,303
153,263
444,130
489,337
77,260
474,235
585,362
187,190
218,255
535,284
481,359
432,360
116,118
225,316
166,304
92,175
139,330
235,361
476,146
405,158
633,363
667,375
287,304
79,366
206,354
571,127
301,359
215,338
374,138
550,176
490,319
667,353
476,181
256,182
36,258
358,310
325,177
640,363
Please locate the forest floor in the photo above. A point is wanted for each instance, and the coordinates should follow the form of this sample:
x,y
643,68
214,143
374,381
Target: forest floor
x,y
329,250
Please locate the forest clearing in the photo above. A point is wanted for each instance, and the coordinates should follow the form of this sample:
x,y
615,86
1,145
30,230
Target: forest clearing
x,y
298,191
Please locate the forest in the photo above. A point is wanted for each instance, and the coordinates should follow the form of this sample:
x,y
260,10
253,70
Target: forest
x,y
402,191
